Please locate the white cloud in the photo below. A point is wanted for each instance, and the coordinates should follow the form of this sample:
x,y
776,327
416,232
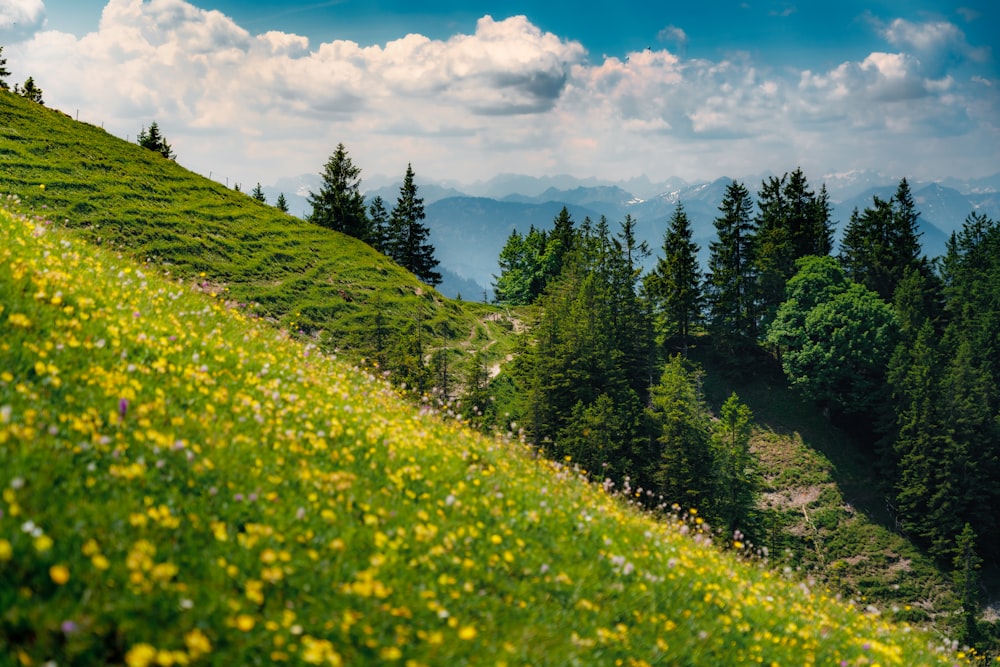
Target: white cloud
x,y
506,97
939,45
20,18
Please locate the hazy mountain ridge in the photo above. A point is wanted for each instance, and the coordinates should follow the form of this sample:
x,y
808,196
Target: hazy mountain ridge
x,y
471,222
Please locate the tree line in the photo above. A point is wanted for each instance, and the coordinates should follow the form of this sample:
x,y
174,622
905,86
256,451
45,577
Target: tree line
x,y
900,349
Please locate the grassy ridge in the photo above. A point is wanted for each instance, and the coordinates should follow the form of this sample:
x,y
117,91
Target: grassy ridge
x,y
181,485
307,278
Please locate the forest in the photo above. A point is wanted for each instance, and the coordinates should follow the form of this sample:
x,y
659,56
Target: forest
x,y
895,347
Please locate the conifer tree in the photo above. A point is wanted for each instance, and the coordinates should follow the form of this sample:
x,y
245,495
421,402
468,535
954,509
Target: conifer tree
x,y
339,204
258,193
281,204
737,473
4,72
379,219
154,141
675,284
685,471
30,91
408,243
882,242
793,222
731,281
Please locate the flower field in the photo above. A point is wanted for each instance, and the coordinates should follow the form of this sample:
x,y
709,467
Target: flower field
x,y
180,484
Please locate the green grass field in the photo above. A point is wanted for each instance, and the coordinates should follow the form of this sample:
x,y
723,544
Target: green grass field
x,y
182,484
330,287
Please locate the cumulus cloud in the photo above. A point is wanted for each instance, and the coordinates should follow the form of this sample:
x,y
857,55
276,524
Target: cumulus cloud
x,y
674,35
504,96
20,18
939,45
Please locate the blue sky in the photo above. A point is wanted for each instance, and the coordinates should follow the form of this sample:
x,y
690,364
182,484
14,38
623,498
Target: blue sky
x,y
261,90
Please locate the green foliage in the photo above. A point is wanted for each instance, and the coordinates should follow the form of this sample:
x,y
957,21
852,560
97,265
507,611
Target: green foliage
x,y
881,243
29,91
835,337
152,139
674,286
281,203
4,72
685,470
407,241
793,222
258,194
380,231
529,263
730,283
737,469
339,204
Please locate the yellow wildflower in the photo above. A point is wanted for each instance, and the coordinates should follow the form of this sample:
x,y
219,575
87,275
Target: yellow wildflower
x,y
59,574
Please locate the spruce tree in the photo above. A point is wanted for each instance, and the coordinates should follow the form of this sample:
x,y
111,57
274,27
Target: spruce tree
x,y
281,204
30,91
339,204
731,281
258,193
675,284
154,141
380,230
408,235
4,72
882,242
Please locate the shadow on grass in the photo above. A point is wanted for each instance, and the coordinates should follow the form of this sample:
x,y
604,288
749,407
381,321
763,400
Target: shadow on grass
x,y
761,385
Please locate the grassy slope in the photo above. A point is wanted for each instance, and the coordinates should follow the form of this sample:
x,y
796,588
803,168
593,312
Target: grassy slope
x,y
122,196
827,511
182,484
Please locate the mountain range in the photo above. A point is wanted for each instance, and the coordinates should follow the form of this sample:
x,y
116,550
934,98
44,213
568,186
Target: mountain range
x,y
470,223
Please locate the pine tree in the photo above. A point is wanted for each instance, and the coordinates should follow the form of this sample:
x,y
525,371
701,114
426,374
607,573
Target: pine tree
x,y
379,218
675,284
684,472
730,283
258,193
4,72
966,577
339,204
882,242
408,235
793,222
738,478
281,204
154,141
30,91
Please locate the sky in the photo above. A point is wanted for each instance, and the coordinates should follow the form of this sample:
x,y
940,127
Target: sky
x,y
250,91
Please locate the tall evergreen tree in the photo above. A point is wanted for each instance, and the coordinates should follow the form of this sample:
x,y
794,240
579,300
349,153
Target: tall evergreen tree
x,y
258,193
882,242
339,204
380,231
281,204
408,235
4,72
731,281
792,222
674,286
684,472
30,91
737,474
154,141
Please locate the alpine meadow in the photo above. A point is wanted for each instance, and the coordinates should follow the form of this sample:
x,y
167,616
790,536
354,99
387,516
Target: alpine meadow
x,y
232,436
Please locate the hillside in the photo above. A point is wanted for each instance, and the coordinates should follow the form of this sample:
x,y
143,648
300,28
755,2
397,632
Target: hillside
x,y
182,484
330,287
